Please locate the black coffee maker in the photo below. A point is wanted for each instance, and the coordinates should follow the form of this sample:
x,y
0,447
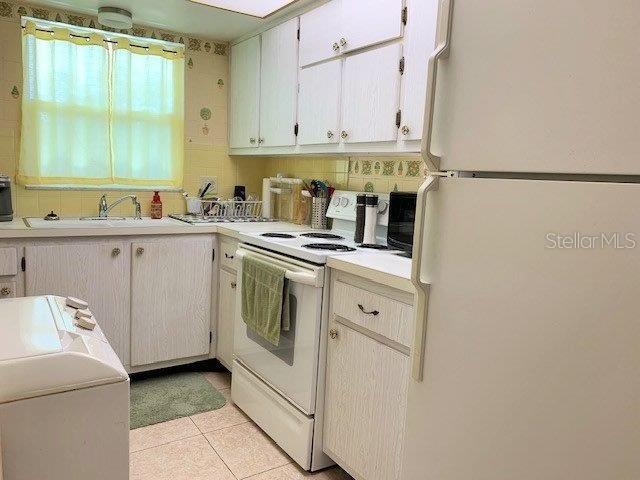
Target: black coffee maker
x,y
6,209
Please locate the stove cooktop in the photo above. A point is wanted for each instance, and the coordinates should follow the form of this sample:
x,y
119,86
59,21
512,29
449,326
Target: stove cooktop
x,y
332,247
325,236
300,245
277,235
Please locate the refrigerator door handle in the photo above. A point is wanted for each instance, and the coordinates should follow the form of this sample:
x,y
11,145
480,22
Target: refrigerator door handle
x,y
420,304
445,15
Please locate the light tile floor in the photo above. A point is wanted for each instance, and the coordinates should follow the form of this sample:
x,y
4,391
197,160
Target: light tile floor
x,y
223,444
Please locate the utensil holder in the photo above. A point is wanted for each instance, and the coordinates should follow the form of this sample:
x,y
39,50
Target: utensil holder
x,y
319,212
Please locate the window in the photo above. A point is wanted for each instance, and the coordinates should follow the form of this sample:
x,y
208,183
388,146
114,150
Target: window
x,y
100,111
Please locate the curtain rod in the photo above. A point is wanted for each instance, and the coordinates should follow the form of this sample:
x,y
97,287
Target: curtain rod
x,y
104,39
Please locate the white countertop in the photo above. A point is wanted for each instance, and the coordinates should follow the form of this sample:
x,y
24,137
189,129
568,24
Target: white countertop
x,y
382,267
17,228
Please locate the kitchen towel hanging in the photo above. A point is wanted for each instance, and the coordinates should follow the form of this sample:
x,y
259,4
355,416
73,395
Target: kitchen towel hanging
x,y
262,298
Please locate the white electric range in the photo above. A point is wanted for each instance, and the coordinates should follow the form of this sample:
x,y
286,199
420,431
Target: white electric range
x,y
282,387
317,245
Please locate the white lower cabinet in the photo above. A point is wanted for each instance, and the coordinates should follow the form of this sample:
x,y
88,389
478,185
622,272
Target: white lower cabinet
x,y
150,295
366,384
170,299
226,314
97,272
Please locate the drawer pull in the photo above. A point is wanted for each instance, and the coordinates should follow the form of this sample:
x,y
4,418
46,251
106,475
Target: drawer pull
x,y
230,257
6,291
372,312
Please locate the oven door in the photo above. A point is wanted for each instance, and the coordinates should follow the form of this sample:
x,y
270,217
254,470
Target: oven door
x,y
291,368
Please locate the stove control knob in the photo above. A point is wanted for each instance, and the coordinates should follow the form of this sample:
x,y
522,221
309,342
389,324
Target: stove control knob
x,y
336,201
344,201
382,207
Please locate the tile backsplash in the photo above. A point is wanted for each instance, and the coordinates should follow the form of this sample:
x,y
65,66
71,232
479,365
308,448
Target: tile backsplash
x,y
369,174
206,85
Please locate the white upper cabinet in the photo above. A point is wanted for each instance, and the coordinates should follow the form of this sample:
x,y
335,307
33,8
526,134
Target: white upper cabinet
x,y
336,73
368,23
320,33
319,103
245,94
279,81
371,90
419,40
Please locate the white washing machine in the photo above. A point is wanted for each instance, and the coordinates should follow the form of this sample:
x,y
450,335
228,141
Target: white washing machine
x,y
64,396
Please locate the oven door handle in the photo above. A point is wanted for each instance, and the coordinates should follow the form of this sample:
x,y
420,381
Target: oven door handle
x,y
293,276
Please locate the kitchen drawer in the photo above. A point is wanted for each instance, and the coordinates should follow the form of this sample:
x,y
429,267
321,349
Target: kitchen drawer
x,y
285,424
8,261
228,254
7,289
383,315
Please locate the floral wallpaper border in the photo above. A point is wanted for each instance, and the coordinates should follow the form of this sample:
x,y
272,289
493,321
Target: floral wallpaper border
x,y
10,10
386,168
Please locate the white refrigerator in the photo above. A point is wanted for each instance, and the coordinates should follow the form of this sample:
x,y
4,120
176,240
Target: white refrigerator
x,y
526,357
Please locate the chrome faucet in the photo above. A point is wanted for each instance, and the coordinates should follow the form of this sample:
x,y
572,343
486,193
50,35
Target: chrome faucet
x,y
104,208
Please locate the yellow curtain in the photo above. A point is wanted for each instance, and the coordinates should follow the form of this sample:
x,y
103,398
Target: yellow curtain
x,y
99,113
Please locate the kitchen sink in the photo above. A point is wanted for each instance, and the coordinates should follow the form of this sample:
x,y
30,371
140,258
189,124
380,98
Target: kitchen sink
x,y
95,222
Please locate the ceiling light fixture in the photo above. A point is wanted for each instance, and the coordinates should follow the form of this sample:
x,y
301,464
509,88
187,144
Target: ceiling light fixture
x,y
255,8
115,17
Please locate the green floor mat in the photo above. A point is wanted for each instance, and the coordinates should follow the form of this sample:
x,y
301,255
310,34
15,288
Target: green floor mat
x,y
176,395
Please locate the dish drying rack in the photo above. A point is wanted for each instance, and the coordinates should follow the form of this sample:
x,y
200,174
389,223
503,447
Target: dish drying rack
x,y
230,209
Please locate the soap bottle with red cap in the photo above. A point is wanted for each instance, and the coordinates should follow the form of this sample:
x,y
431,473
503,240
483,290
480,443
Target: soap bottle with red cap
x,y
156,206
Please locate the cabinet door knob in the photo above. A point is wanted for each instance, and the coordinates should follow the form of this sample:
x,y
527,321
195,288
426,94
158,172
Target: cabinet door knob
x,y
5,291
233,285
405,130
343,134
333,333
261,140
343,41
329,134
372,312
115,252
335,46
139,250
252,140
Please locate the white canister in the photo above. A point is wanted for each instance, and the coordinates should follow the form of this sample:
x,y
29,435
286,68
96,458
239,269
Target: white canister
x,y
194,206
